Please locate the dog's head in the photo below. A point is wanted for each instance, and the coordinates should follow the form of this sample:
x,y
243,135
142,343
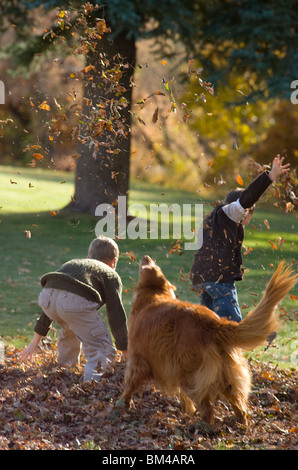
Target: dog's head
x,y
152,278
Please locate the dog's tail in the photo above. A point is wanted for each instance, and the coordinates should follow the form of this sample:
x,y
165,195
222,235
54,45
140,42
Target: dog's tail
x,y
263,320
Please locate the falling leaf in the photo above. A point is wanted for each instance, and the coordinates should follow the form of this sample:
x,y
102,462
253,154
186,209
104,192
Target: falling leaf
x,y
38,156
30,147
155,116
239,180
235,145
168,87
273,245
6,121
293,297
44,106
57,104
289,207
190,61
53,213
88,68
163,62
131,255
266,223
101,26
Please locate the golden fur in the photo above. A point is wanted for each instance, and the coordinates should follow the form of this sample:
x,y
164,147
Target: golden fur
x,y
190,351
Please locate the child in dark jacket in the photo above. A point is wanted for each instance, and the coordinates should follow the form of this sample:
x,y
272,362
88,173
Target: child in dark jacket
x,y
218,262
71,296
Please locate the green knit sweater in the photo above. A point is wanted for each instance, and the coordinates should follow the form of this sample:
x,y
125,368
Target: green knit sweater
x,y
94,281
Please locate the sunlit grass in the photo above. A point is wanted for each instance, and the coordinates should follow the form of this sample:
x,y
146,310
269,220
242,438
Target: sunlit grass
x,y
33,190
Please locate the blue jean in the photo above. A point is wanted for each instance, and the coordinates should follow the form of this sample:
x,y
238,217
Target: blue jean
x,y
222,298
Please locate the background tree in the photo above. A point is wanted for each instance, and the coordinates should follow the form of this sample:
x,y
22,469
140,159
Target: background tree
x,y
102,173
256,40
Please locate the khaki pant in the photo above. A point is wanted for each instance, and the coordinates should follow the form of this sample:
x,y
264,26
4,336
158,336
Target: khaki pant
x,y
80,326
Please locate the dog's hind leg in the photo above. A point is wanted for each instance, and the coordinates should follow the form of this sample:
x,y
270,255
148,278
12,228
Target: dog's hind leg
x,y
239,405
137,371
238,389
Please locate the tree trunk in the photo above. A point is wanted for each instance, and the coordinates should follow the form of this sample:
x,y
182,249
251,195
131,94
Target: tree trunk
x,y
101,175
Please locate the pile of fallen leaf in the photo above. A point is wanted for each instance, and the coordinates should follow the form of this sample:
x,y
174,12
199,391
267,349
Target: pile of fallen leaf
x,y
44,406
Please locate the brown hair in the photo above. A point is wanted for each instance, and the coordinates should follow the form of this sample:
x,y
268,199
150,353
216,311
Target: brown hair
x,y
103,249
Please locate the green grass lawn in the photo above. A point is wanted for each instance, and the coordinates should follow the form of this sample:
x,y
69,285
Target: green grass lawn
x,y
28,198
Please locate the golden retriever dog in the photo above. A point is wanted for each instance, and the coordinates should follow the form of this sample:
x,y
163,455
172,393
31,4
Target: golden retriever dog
x,y
188,350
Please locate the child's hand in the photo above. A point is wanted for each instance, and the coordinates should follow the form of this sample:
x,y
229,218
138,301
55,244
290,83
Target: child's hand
x,y
30,350
278,168
27,353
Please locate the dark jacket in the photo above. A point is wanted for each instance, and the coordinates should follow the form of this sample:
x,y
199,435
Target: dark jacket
x,y
219,259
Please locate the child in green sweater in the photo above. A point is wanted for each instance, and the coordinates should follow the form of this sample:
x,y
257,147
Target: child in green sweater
x,y
71,296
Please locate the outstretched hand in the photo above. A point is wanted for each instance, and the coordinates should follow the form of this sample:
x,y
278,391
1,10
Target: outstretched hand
x,y
278,168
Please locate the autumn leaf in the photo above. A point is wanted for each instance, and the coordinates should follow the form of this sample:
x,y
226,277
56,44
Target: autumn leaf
x,y
30,147
38,156
168,87
273,245
55,402
44,106
101,26
155,116
289,207
131,255
88,68
57,104
53,213
239,180
266,223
